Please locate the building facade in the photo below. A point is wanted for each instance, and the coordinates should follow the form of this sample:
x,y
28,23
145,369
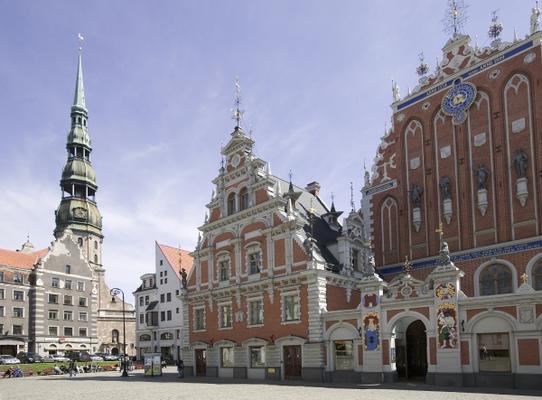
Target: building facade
x,y
463,160
159,308
67,303
271,259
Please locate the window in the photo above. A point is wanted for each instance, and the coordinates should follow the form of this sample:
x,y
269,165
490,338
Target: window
x,y
2,312
68,284
17,329
141,318
80,242
53,314
168,297
95,245
231,203
53,298
161,274
68,316
53,331
291,307
495,279
154,335
82,301
226,357
162,315
224,316
223,271
255,312
344,356
1,277
355,259
243,198
2,294
68,331
257,357
147,300
80,286
141,300
95,259
83,316
166,336
17,278
254,262
162,298
161,281
165,280
114,336
18,312
177,310
55,282
169,315
145,338
161,262
68,300
83,332
494,352
178,333
1,329
165,273
537,276
68,269
176,292
199,319
18,295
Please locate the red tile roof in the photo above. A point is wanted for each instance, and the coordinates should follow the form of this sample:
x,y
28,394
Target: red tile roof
x,y
19,259
174,255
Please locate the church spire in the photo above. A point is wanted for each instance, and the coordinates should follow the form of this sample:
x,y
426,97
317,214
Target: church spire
x,y
78,210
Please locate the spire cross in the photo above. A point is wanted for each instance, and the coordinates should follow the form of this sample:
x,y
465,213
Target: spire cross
x,y
290,175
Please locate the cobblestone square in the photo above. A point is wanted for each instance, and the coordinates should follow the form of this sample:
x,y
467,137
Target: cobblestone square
x,y
110,385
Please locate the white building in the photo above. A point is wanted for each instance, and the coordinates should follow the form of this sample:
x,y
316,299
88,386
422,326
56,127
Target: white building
x,y
158,308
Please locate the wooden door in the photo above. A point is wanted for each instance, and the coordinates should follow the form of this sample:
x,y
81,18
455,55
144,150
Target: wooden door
x,y
292,362
201,363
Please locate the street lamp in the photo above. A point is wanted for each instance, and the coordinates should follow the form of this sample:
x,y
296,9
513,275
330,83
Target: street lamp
x,y
115,292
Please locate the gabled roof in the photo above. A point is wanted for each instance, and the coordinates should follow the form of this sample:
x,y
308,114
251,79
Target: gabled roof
x,y
174,255
17,259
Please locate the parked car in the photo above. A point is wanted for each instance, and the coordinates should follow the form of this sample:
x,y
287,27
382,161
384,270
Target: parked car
x,y
7,359
48,359
95,357
108,357
27,357
58,358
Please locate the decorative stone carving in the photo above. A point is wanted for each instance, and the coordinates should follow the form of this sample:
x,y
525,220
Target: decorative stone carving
x,y
481,173
445,151
447,211
480,139
426,106
518,125
416,218
535,16
526,315
529,58
458,100
415,163
494,74
482,201
401,117
522,191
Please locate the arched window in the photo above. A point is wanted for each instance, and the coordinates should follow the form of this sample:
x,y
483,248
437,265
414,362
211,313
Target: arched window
x,y
95,259
537,276
80,242
96,245
145,337
495,279
114,336
243,198
166,336
231,203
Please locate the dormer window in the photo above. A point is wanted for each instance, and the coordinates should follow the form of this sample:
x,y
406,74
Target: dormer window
x,y
243,198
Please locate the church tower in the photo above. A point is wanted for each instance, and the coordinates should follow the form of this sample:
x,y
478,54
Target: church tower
x,y
78,210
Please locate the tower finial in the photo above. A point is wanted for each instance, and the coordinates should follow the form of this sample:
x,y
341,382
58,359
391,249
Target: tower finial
x,y
79,97
352,203
422,68
237,113
80,38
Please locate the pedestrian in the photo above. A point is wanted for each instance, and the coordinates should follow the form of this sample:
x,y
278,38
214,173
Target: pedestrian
x,y
72,368
180,368
7,373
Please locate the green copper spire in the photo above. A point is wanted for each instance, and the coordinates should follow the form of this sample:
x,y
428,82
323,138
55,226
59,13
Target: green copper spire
x,y
79,98
77,210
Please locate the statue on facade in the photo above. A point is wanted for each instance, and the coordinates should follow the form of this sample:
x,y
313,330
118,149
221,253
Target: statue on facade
x,y
482,173
184,281
520,163
444,254
444,187
416,195
369,266
535,16
395,91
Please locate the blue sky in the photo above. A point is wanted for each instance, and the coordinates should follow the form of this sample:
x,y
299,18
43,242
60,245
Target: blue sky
x,y
159,81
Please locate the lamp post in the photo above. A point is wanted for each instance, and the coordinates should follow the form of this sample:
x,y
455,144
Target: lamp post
x,y
115,292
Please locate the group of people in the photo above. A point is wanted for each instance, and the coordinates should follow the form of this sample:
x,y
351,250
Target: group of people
x,y
13,372
73,369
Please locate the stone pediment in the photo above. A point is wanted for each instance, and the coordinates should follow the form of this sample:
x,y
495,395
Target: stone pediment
x,y
406,287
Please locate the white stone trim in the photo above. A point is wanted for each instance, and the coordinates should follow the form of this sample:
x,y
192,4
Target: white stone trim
x,y
530,265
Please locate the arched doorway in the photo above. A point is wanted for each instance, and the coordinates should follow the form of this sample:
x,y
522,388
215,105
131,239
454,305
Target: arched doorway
x,y
115,351
411,349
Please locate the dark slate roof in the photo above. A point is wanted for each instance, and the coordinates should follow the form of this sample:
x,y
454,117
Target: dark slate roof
x,y
151,306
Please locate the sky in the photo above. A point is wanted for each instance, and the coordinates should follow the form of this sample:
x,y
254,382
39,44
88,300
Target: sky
x,y
159,83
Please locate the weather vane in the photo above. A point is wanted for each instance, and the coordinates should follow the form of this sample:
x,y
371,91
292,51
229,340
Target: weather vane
x,y
352,204
237,113
495,28
455,17
80,38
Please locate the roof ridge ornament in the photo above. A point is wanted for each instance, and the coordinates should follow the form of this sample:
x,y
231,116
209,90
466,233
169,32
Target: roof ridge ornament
x,y
535,18
495,29
422,68
455,18
237,113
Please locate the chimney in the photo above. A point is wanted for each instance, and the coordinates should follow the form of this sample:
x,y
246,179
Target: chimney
x,y
313,188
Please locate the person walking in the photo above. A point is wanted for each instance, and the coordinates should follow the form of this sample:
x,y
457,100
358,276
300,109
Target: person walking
x,y
180,368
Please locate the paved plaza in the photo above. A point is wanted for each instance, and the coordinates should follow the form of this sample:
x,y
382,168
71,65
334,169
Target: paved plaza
x,y
109,385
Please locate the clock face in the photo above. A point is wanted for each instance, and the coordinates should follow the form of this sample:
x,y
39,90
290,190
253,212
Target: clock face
x,y
458,100
235,160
